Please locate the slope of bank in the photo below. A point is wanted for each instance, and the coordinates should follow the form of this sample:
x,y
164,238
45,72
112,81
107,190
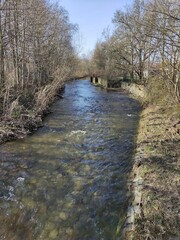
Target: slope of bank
x,y
154,212
13,128
19,122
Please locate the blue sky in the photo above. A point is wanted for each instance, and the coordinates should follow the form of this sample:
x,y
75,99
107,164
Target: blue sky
x,y
92,16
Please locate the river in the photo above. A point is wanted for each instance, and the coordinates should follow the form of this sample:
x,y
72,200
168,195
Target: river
x,y
68,181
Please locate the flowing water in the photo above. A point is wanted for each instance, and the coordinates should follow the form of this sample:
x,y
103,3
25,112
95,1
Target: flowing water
x,y
68,181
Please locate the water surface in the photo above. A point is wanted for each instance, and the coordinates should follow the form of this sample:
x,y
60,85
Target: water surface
x,y
68,181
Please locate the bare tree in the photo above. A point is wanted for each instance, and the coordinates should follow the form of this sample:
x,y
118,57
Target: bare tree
x,y
145,45
35,47
168,29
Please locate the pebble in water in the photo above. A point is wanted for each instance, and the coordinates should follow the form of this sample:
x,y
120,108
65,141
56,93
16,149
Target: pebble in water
x,y
63,216
53,234
29,203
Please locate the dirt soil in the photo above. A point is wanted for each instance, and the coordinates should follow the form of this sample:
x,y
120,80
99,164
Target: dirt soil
x,y
14,128
157,164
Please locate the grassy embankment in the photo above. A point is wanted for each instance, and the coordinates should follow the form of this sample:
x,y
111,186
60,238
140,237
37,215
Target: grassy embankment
x,y
154,213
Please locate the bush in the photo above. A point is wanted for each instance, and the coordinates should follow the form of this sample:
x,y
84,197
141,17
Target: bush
x,y
158,92
27,98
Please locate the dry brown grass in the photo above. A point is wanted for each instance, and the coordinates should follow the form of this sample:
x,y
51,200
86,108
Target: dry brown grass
x,y
159,91
159,148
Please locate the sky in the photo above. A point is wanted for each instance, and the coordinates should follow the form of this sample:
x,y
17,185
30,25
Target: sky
x,y
92,17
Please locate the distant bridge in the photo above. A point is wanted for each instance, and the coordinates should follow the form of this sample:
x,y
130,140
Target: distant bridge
x,y
99,81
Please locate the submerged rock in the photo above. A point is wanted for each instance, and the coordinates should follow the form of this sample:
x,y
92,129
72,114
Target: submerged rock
x,y
63,215
29,203
53,234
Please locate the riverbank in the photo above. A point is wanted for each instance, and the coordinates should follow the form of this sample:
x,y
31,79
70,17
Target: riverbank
x,y
155,177
20,122
16,128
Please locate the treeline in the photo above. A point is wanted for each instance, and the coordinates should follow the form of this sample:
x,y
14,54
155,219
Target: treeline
x,y
144,48
36,53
